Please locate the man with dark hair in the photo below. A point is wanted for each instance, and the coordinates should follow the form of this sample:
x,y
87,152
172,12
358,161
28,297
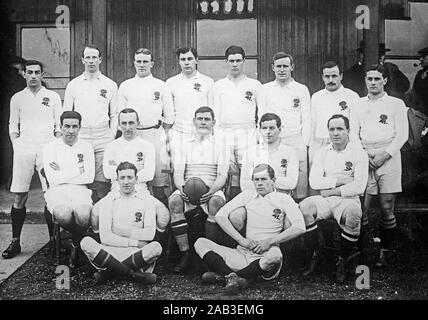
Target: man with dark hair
x,y
34,121
235,106
204,157
383,129
70,166
190,90
152,100
291,100
333,99
127,229
353,78
281,158
270,217
339,171
94,96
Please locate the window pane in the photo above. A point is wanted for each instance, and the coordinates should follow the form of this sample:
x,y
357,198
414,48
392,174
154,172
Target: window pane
x,y
218,69
214,36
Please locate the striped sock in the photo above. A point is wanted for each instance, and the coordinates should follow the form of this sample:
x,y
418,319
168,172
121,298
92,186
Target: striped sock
x,y
216,263
136,261
251,271
179,230
105,260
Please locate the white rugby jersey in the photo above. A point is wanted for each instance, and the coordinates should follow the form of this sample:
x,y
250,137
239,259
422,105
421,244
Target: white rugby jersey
x,y
383,120
150,97
235,105
265,215
137,151
134,212
330,164
325,104
69,160
32,115
95,100
291,103
206,159
283,160
189,94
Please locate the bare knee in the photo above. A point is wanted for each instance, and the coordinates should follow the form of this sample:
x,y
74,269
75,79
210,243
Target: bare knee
x,y
162,216
202,246
82,215
90,247
351,216
387,204
152,251
20,199
215,204
272,257
308,209
176,207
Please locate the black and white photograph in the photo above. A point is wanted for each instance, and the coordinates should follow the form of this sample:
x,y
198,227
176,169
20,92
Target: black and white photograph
x,y
214,157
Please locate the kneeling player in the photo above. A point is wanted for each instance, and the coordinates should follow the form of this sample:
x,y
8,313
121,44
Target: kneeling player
x,y
271,218
340,172
127,228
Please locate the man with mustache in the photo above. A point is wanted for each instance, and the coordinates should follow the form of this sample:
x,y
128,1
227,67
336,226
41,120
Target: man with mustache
x,y
94,96
70,166
152,100
28,136
333,99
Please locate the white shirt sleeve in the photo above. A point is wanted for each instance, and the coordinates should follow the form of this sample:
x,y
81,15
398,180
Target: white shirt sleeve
x,y
317,180
68,97
239,201
293,212
401,129
306,116
14,115
121,97
113,109
56,177
105,218
168,106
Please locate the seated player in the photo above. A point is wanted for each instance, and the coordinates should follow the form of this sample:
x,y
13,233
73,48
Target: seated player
x,y
340,172
204,157
141,153
270,218
69,166
127,229
281,158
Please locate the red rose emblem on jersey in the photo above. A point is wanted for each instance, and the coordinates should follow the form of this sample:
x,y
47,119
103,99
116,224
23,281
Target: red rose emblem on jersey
x,y
79,158
383,118
348,166
156,95
138,216
140,157
45,101
277,213
296,102
103,93
248,95
197,87
343,105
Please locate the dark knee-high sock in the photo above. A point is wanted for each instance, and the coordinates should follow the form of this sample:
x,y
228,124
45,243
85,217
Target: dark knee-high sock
x,y
313,237
159,236
18,217
251,271
135,261
49,221
216,263
105,260
346,247
211,230
360,242
387,230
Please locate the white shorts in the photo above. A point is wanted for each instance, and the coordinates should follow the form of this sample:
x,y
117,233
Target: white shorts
x,y
27,156
69,195
188,206
333,207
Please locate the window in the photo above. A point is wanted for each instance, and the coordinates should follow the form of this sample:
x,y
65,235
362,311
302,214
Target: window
x,y
51,46
221,24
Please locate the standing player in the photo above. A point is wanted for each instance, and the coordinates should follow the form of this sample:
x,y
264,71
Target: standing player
x,y
141,153
151,98
94,96
340,172
34,120
127,229
333,99
190,90
235,106
383,129
70,165
280,157
271,219
291,100
204,157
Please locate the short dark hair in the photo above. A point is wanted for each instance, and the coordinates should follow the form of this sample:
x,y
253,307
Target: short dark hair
x,y
281,55
339,116
128,110
234,50
125,166
144,51
70,115
205,109
91,46
184,50
331,64
33,63
263,167
269,117
377,67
